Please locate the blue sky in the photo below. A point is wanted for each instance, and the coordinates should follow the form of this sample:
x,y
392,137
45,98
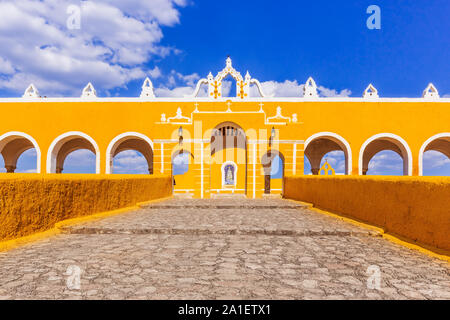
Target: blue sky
x,y
175,42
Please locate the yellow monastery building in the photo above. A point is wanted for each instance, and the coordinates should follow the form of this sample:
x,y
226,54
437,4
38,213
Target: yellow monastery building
x,y
231,141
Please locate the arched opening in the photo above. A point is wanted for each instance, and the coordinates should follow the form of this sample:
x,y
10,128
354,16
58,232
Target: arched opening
x,y
136,154
273,165
385,163
183,175
77,150
383,142
434,156
327,144
228,158
20,153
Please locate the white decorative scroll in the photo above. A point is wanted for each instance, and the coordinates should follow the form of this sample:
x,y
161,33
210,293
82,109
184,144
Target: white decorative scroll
x,y
89,91
31,92
215,83
430,92
147,89
370,92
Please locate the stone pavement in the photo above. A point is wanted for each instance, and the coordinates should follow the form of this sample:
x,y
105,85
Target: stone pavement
x,y
220,249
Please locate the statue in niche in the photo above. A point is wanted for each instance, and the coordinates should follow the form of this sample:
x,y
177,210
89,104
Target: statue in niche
x,y
229,175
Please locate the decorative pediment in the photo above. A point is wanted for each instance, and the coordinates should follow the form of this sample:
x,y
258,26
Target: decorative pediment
x,y
215,83
89,91
177,119
370,92
279,118
147,89
310,89
31,92
431,92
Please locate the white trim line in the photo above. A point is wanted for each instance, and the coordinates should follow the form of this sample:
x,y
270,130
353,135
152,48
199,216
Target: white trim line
x,y
223,99
340,139
122,136
254,170
51,158
385,135
425,144
28,137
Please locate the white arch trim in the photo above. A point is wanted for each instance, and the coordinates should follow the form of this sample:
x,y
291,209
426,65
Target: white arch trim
x,y
235,172
3,141
424,146
55,146
385,135
114,141
337,137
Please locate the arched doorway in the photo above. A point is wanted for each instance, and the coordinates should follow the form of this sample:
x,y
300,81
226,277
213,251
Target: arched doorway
x,y
273,165
228,170
434,156
14,145
323,143
67,143
381,142
183,173
133,142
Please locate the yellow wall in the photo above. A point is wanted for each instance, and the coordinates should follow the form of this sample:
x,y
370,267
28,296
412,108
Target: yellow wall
x,y
415,208
355,121
31,203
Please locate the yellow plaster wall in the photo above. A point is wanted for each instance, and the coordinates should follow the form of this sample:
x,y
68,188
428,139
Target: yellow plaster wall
x,y
417,209
355,121
31,203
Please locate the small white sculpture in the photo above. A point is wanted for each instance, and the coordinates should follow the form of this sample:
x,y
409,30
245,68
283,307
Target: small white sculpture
x,y
310,89
89,91
31,92
430,92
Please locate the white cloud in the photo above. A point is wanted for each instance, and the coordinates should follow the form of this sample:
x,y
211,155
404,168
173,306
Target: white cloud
x,y
130,161
386,162
290,88
110,49
179,85
434,159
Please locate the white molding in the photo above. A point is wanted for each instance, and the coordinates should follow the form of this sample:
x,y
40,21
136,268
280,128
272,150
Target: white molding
x,y
4,140
390,136
235,172
55,147
119,139
424,146
232,99
340,140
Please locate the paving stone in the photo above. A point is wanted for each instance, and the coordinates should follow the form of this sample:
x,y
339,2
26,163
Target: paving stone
x,y
220,249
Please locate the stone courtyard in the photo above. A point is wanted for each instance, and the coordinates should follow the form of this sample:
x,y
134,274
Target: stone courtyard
x,y
220,249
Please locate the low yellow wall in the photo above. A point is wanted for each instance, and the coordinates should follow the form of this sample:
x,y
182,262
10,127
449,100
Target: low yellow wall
x,y
416,208
31,203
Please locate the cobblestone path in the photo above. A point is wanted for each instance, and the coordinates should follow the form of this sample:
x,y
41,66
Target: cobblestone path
x,y
220,249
